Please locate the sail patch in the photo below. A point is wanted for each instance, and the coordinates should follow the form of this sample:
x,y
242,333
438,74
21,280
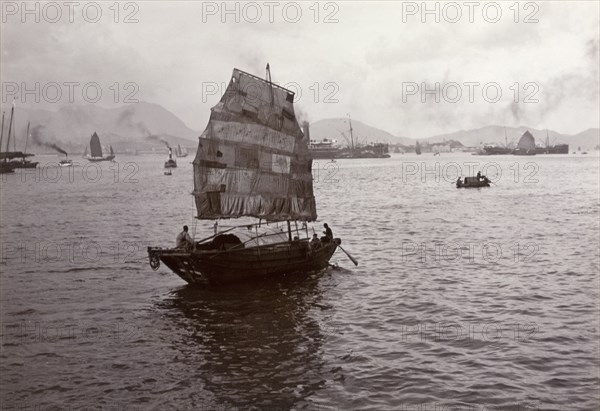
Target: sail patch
x,y
280,164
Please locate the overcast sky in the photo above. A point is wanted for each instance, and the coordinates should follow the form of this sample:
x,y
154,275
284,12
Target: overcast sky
x,y
370,60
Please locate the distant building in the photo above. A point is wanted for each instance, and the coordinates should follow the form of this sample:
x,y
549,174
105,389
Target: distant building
x,y
442,148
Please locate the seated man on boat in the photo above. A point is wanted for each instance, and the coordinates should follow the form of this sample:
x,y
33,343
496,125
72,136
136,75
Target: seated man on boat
x,y
183,239
481,177
459,182
328,234
315,242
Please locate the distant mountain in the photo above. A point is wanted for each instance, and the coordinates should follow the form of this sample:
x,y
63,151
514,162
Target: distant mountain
x,y
144,126
496,135
140,125
338,128
588,139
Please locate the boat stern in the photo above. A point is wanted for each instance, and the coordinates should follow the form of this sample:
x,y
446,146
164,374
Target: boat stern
x,y
179,261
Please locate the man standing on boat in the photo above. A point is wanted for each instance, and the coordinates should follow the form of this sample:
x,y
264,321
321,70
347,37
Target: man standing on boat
x,y
183,239
328,234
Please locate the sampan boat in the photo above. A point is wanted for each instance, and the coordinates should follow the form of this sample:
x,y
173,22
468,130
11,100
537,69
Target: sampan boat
x,y
473,182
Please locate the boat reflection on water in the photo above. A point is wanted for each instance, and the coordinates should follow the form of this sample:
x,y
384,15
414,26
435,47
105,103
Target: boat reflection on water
x,y
255,346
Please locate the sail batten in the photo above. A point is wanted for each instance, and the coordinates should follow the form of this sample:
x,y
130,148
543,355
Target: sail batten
x,y
252,159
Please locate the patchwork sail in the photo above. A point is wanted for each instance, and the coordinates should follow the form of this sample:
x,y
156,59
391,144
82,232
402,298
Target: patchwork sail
x,y
253,158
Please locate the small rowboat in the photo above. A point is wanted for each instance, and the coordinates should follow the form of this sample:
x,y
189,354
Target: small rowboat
x,y
473,182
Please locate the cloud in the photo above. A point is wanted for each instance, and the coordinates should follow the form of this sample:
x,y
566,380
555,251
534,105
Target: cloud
x,y
171,53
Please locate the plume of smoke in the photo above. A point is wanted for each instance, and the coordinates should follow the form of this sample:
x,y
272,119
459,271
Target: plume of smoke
x,y
154,137
126,118
37,135
301,115
516,111
579,83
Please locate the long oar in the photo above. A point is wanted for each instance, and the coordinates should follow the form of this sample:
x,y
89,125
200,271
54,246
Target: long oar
x,y
348,254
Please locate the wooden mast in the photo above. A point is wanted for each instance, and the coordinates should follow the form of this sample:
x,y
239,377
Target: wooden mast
x,y
12,111
2,132
351,135
27,136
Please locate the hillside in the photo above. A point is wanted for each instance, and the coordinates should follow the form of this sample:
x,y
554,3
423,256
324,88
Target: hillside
x,y
334,127
140,126
337,128
146,126
496,135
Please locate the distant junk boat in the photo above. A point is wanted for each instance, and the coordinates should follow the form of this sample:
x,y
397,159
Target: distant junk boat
x,y
418,148
171,162
252,161
525,146
7,166
96,150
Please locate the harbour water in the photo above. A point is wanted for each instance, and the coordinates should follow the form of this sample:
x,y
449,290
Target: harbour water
x,y
463,299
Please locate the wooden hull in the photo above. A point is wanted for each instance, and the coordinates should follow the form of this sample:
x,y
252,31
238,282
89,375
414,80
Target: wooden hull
x,y
215,267
96,159
473,185
6,168
26,164
557,149
492,151
524,152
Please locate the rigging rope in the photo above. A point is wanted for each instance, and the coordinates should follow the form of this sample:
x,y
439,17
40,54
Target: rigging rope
x,y
194,220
